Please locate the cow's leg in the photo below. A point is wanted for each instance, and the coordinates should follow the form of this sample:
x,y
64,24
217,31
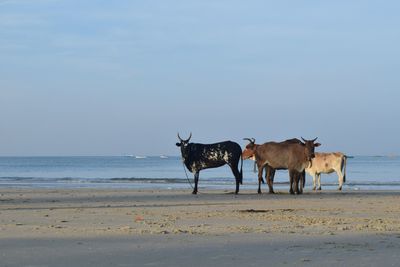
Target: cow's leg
x,y
314,181
255,170
291,176
302,178
260,171
237,187
340,178
296,179
319,181
196,181
234,164
272,175
270,179
236,173
266,174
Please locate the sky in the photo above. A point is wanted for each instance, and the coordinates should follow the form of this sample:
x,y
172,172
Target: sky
x,y
124,77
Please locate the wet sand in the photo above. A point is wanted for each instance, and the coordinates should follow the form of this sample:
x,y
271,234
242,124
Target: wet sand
x,y
97,227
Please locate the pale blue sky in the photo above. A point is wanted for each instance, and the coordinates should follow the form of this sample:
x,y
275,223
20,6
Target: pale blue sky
x,y
122,77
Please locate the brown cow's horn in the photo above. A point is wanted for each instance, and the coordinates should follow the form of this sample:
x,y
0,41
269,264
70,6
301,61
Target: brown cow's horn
x,y
310,140
251,140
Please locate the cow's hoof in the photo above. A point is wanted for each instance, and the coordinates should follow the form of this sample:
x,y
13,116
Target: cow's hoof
x,y
271,192
194,192
291,192
340,188
319,188
314,188
259,191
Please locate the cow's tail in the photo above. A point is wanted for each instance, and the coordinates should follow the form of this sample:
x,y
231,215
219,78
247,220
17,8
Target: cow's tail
x,y
241,169
343,167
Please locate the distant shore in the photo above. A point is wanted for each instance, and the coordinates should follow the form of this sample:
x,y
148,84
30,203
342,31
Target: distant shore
x,y
211,218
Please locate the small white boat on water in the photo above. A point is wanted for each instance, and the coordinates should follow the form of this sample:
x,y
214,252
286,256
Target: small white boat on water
x,y
140,157
163,157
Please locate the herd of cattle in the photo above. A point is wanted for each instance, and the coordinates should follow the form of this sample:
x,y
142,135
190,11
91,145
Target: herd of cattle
x,y
293,155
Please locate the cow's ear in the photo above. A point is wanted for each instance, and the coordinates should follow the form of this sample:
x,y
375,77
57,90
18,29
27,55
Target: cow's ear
x,y
178,144
317,144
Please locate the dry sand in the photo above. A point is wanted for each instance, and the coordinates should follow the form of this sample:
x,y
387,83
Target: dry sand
x,y
95,227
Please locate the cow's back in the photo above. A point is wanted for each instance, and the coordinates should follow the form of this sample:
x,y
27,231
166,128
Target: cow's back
x,y
222,150
281,155
326,162
204,156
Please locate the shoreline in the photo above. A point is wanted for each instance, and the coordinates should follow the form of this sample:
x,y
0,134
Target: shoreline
x,y
318,222
160,184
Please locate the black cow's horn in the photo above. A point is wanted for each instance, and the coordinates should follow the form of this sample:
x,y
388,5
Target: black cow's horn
x,y
315,139
180,139
304,140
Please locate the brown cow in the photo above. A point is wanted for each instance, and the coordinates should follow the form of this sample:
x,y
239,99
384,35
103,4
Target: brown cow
x,y
328,163
293,156
270,172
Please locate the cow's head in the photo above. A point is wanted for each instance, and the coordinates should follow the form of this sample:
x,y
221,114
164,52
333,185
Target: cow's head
x,y
250,150
183,145
310,146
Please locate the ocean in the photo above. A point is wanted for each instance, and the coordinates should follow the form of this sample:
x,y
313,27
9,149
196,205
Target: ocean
x,y
362,173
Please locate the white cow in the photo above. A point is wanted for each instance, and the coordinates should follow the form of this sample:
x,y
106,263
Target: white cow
x,y
328,163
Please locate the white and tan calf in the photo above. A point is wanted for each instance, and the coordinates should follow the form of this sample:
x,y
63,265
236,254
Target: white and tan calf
x,y
328,163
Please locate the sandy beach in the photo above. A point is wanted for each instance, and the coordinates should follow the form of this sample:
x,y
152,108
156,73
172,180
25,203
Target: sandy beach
x,y
98,227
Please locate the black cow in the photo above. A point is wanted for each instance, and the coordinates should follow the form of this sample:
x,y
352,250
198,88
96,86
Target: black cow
x,y
204,156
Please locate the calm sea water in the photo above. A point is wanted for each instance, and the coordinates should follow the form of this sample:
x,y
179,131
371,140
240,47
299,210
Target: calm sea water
x,y
362,173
